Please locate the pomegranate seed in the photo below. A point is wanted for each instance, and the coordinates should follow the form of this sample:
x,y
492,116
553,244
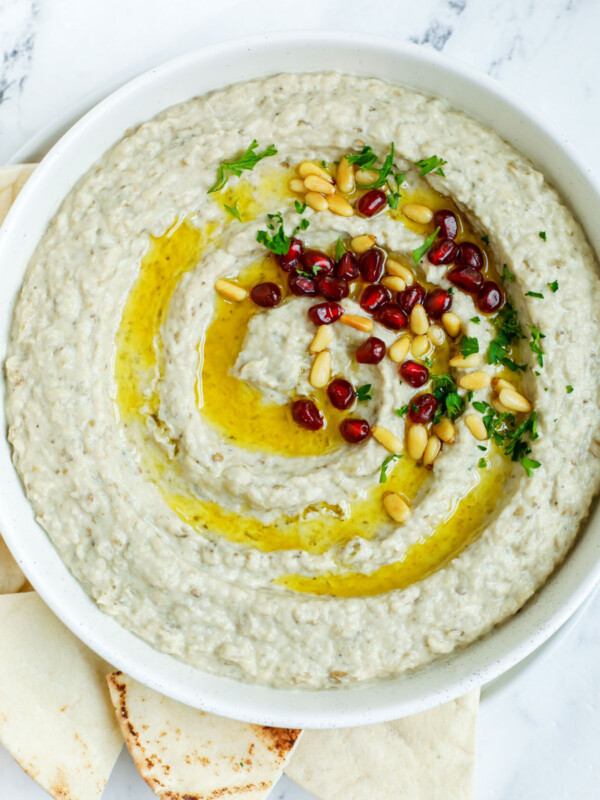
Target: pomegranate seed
x,y
355,430
332,288
371,264
371,351
266,295
437,303
489,298
392,316
414,374
466,278
469,255
341,393
300,284
325,313
442,252
347,268
289,260
447,222
409,298
374,297
306,414
316,262
372,202
422,409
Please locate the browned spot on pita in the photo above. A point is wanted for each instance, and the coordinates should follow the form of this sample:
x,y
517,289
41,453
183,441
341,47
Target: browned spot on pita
x,y
279,740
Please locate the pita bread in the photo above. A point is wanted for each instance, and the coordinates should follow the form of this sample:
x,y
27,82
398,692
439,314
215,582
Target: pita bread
x,y
428,756
12,180
185,754
11,577
56,719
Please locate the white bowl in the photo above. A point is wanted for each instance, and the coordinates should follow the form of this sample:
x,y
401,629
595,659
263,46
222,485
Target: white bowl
x,y
141,99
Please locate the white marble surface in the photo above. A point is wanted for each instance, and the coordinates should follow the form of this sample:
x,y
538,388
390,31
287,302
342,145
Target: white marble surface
x,y
539,735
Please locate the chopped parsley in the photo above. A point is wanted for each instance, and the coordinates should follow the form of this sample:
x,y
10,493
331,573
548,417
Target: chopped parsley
x,y
535,344
401,411
275,238
393,198
481,447
420,251
386,463
367,159
569,388
485,239
506,275
553,286
233,210
507,330
363,393
431,164
529,465
247,161
324,164
534,294
476,320
469,345
340,250
482,463
445,391
300,208
542,235
429,362
502,428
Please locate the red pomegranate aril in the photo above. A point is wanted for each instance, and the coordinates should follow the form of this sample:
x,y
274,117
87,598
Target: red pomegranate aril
x,y
374,297
306,414
346,268
266,295
341,393
437,303
301,284
489,298
325,313
466,278
289,261
391,316
332,288
355,430
372,202
469,255
413,373
371,351
371,264
447,222
409,298
421,409
316,262
443,252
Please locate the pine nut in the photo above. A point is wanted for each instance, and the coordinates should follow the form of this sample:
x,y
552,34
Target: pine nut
x,y
360,244
474,381
307,168
418,213
419,323
445,430
436,335
345,176
230,290
451,323
316,201
465,362
358,322
420,346
416,441
396,268
321,370
500,383
296,185
396,507
393,283
431,451
339,206
316,184
475,424
514,401
366,176
387,439
497,406
322,339
399,350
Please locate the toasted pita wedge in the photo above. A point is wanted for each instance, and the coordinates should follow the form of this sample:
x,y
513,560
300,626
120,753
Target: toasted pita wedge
x,y
11,577
428,756
12,180
185,754
56,719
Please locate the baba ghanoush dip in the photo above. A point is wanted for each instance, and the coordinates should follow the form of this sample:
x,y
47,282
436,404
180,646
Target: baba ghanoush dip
x,y
297,382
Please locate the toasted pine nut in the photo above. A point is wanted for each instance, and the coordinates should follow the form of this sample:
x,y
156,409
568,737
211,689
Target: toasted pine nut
x,y
360,244
345,176
473,381
475,424
394,283
465,362
321,370
296,185
358,322
316,184
322,339
497,406
500,383
416,441
514,401
451,323
431,451
419,322
399,350
307,168
445,430
420,346
387,439
396,506
436,335
339,206
418,213
230,290
366,176
394,267
316,201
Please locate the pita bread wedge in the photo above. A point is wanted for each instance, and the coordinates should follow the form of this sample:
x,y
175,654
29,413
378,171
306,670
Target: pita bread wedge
x,y
12,180
185,754
56,718
11,577
428,756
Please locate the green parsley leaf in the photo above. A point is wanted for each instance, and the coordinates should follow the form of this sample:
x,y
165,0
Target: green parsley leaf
x,y
365,159
450,290
529,465
278,241
535,344
430,164
507,330
569,388
482,463
534,294
393,199
324,164
553,286
476,320
429,362
485,239
363,393
300,208
481,447
506,275
542,235
420,251
386,463
445,391
469,345
233,210
401,411
247,161
340,250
